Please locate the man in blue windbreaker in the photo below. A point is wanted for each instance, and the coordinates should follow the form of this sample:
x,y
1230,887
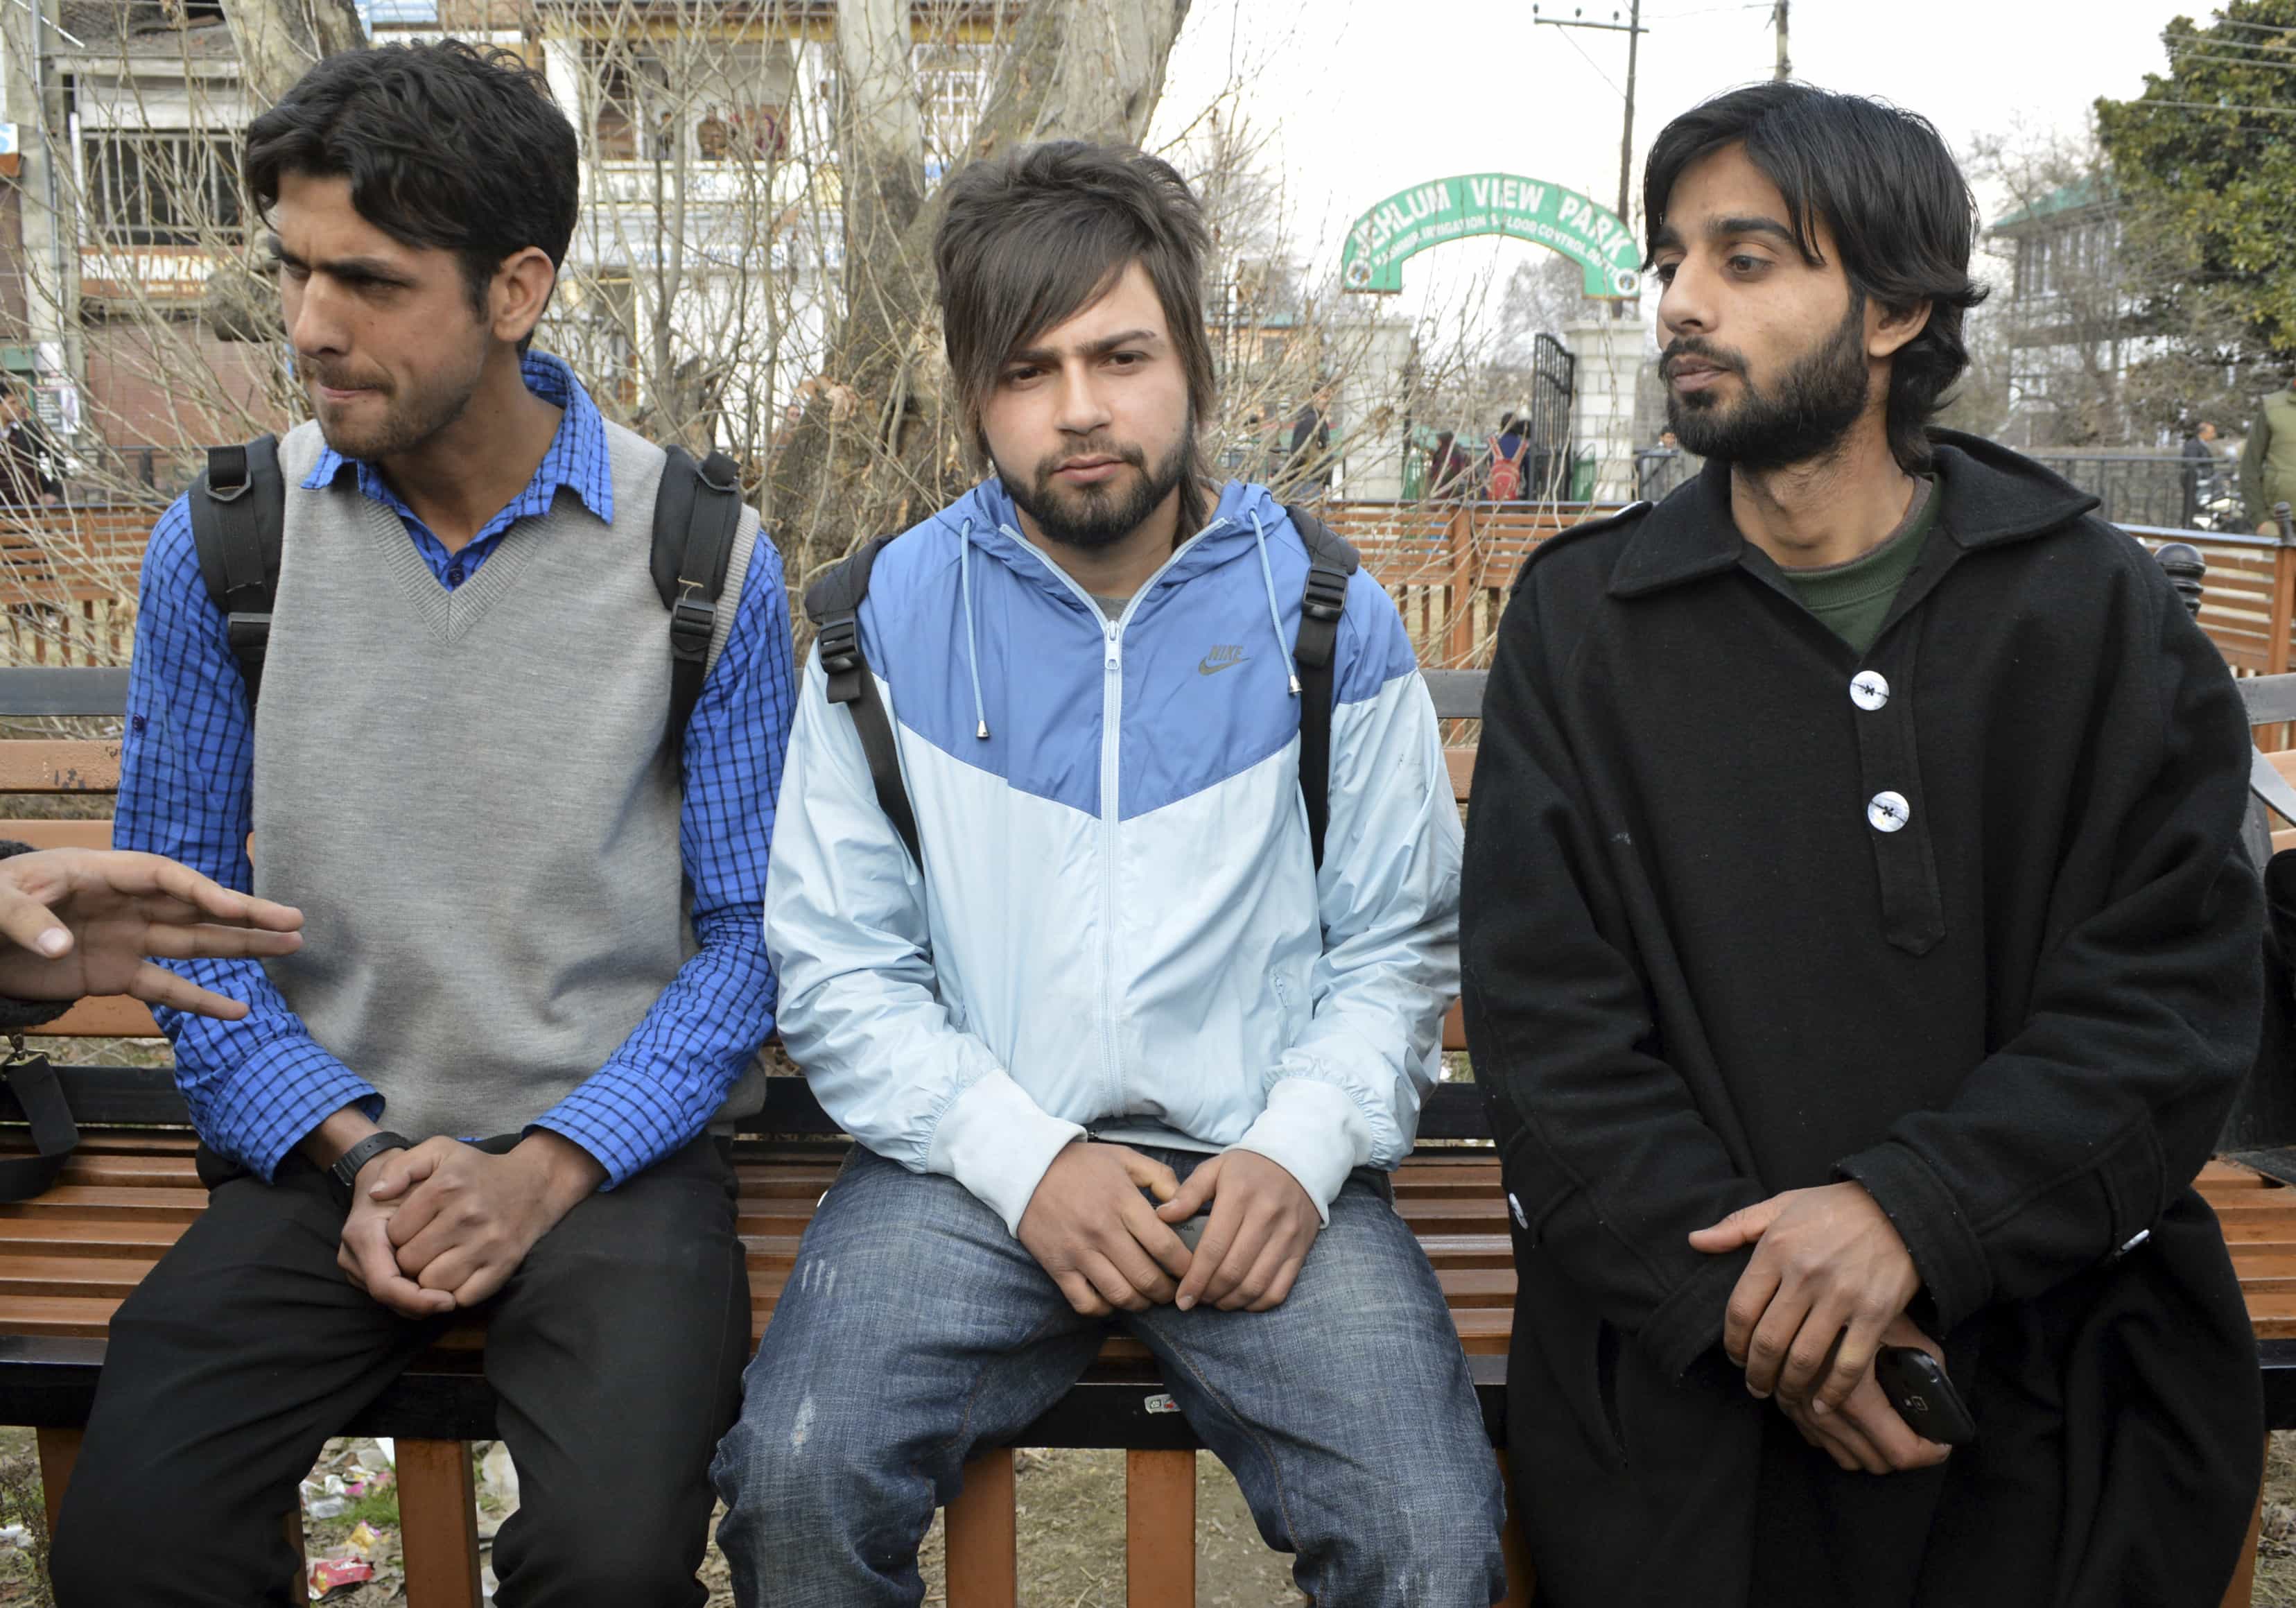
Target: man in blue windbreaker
x,y
1119,1044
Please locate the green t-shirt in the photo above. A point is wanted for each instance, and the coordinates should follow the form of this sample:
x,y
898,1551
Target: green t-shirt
x,y
1853,599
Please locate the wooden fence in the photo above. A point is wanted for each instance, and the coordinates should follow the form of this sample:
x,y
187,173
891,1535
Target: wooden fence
x,y
1448,565
1449,568
68,578
67,583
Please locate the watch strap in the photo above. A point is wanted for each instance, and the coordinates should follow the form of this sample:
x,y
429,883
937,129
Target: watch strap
x,y
344,1174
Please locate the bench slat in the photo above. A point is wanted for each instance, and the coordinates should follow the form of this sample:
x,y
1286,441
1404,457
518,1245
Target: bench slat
x,y
37,1236
105,1277
60,764
109,1016
90,1201
58,834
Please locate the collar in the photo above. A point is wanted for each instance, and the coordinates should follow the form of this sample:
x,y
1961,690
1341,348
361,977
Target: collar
x,y
1987,496
577,458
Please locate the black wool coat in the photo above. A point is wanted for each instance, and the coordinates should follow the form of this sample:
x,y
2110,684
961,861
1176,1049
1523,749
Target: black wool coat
x,y
1965,920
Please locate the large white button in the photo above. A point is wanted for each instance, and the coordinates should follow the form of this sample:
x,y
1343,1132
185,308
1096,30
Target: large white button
x,y
1521,1221
1870,690
1888,811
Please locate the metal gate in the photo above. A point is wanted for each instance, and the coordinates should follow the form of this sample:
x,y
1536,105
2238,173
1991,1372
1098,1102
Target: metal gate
x,y
1546,460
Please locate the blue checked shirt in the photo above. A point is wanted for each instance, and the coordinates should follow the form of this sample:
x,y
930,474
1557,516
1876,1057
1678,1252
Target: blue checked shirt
x,y
258,1086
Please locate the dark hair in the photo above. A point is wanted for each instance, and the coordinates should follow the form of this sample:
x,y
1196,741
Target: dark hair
x,y
445,145
1883,182
1028,240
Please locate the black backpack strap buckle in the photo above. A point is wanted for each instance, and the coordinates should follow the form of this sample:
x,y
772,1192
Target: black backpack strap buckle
x,y
693,622
833,604
238,539
1322,600
697,517
839,638
249,633
228,478
1331,562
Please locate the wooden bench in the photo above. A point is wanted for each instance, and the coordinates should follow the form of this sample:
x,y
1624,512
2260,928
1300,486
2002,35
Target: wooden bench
x,y
68,1259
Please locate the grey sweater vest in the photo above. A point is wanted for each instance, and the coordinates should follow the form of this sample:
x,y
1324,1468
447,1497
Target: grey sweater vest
x,y
471,796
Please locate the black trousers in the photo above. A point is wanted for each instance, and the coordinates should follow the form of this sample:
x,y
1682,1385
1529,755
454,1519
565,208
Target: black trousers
x,y
616,1350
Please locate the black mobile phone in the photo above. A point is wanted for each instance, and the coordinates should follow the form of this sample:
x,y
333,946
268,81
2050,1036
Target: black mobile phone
x,y
1916,1385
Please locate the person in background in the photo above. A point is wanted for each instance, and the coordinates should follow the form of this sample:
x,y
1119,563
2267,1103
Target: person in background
x,y
2268,462
2201,464
1506,450
1311,444
29,463
1449,474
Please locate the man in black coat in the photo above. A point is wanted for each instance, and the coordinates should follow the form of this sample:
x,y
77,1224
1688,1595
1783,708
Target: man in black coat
x,y
26,457
1858,953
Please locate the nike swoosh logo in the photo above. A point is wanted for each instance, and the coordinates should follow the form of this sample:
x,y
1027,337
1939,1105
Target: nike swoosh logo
x,y
1205,667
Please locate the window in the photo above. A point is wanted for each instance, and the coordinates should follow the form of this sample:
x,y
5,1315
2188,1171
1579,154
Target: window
x,y
746,100
151,187
953,89
633,122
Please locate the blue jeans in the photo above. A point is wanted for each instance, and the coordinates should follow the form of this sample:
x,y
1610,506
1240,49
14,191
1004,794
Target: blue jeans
x,y
914,1329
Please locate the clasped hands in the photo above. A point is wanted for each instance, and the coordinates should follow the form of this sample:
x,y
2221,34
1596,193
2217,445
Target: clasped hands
x,y
1089,1227
445,1224
1826,1289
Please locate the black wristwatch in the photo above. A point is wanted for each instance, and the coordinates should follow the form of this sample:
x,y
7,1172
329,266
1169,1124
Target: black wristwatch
x,y
344,1174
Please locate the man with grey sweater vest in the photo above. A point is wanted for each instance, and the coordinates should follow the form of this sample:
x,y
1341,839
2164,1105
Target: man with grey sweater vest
x,y
534,974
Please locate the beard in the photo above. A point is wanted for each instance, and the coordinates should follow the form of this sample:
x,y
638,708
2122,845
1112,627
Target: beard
x,y
409,418
1095,516
1801,415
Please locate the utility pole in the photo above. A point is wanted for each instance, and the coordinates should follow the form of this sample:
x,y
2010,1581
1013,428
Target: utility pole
x,y
1634,29
1785,61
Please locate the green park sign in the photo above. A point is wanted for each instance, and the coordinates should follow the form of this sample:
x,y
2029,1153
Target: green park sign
x,y
1446,209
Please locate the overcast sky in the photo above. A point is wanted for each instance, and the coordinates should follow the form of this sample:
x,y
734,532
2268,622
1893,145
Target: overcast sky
x,y
1365,97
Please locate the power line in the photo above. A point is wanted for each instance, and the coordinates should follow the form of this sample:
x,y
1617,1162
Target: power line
x,y
1634,29
1714,11
1590,61
2195,55
2276,111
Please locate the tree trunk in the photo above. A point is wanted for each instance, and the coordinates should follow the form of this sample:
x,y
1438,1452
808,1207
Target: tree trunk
x,y
279,40
1087,69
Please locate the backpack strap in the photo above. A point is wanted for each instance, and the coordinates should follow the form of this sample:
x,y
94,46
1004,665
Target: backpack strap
x,y
239,512
1331,563
833,604
697,512
54,1134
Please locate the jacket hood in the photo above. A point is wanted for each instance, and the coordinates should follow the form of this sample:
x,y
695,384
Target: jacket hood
x,y
984,521
986,518
1988,494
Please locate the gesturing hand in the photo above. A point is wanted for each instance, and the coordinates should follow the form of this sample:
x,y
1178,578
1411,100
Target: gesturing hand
x,y
465,1219
1829,1275
1261,1226
82,921
1866,1431
1088,1227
